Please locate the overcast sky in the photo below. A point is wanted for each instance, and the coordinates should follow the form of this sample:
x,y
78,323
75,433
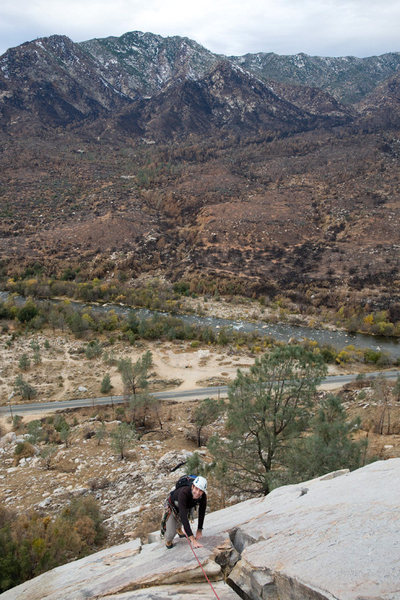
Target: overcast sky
x,y
234,27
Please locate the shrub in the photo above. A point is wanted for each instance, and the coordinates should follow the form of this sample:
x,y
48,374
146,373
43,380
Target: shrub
x,y
106,385
35,431
22,387
32,544
24,363
23,450
93,350
27,312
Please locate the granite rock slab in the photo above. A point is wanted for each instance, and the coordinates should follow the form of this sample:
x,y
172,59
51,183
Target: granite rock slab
x,y
336,537
330,538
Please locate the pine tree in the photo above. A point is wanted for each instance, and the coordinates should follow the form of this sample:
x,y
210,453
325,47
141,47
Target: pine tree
x,y
330,446
268,408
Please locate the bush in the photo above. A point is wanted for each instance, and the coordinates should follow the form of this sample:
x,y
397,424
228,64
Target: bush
x,y
93,350
22,387
35,431
27,312
24,363
23,450
106,385
32,544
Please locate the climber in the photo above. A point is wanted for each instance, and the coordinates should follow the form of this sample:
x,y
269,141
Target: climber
x,y
187,494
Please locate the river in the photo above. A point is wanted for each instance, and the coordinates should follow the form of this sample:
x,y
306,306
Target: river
x,y
280,331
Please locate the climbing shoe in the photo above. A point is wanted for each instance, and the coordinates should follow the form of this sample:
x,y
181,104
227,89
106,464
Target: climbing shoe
x,y
169,545
180,533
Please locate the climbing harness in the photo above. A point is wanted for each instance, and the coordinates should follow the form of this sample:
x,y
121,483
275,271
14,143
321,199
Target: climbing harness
x,y
201,567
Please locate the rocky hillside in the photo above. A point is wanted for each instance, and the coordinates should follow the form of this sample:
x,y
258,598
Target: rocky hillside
x,y
141,154
348,79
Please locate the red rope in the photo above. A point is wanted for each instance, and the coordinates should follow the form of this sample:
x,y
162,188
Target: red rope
x,y
201,567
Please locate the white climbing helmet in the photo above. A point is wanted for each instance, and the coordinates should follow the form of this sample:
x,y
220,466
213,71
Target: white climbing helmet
x,y
200,483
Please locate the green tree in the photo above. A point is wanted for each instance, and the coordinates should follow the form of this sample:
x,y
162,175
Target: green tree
x,y
144,405
31,543
24,363
37,359
135,377
268,408
330,446
206,412
101,433
23,388
122,438
65,434
106,385
382,394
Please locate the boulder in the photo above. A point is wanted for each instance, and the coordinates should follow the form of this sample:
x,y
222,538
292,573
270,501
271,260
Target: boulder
x,y
172,460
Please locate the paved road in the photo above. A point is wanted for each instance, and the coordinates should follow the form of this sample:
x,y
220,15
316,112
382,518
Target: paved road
x,y
45,407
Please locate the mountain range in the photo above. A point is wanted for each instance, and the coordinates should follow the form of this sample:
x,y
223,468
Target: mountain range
x,y
149,154
56,82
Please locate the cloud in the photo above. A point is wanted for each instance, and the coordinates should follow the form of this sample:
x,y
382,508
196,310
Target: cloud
x,y
332,28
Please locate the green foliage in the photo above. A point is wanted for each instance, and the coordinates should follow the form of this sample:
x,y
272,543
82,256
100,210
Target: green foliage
x,y
122,438
93,349
60,423
268,408
31,544
375,357
17,422
37,359
24,363
22,387
135,376
330,446
35,431
77,324
182,287
106,385
65,433
195,465
46,454
207,412
101,433
27,312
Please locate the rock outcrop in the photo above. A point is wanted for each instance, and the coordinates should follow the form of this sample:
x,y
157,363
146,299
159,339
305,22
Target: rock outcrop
x,y
336,537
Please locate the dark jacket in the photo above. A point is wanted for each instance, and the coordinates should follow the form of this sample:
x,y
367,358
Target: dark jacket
x,y
183,501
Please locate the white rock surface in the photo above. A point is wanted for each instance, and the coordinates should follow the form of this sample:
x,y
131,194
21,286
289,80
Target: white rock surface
x,y
340,540
333,538
8,438
172,459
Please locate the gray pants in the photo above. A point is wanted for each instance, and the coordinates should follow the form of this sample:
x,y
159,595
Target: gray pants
x,y
171,526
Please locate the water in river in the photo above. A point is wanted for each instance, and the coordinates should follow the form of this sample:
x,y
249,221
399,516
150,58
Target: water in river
x,y
279,331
